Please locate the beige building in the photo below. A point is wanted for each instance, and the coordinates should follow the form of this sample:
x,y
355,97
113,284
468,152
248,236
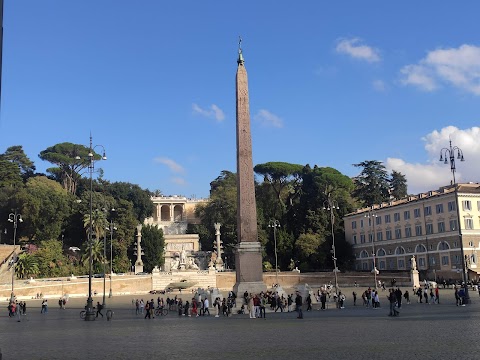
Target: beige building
x,y
433,226
172,214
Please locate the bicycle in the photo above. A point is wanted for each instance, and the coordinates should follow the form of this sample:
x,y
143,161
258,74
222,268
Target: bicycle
x,y
161,311
83,313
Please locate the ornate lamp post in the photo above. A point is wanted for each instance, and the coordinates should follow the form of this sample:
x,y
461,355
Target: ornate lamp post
x,y
111,228
275,224
90,313
447,155
14,218
371,216
332,205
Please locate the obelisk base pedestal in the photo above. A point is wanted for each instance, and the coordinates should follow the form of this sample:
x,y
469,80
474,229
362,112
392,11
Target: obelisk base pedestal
x,y
248,261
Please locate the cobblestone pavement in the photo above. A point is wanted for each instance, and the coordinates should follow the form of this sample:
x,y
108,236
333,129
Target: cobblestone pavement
x,y
421,331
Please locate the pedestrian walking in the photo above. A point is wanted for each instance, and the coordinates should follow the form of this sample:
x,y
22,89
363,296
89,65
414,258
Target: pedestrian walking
x,y
354,294
99,309
298,305
44,307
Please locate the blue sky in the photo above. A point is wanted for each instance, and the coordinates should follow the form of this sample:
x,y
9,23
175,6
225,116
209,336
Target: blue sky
x,y
331,84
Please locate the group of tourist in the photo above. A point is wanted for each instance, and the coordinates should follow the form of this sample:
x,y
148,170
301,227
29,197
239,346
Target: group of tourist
x,y
17,308
257,304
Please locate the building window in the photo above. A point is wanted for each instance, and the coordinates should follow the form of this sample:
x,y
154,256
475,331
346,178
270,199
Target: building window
x,y
408,232
391,264
379,220
354,224
387,219
370,237
399,250
416,213
361,223
441,227
420,248
467,205
432,260
429,229
388,234
455,244
382,265
421,262
453,225
381,252
406,215
418,230
470,243
457,259
365,266
439,208
469,223
451,206
443,246
398,233
379,236
409,249
444,260
428,210
431,247
354,239
396,217
401,264
362,238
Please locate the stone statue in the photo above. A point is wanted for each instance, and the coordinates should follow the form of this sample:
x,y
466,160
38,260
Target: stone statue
x,y
192,264
183,257
174,264
414,263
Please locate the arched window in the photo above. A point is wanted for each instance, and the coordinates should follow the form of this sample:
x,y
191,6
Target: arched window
x,y
399,250
420,248
443,245
381,252
364,254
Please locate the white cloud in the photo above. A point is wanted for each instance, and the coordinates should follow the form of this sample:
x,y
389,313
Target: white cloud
x,y
459,67
213,112
171,164
379,85
357,50
266,118
435,173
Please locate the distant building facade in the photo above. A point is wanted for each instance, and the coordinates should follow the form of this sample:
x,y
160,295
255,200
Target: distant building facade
x,y
433,226
172,214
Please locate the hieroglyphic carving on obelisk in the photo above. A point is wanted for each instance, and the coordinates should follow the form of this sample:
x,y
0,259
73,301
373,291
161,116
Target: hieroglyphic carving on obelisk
x,y
248,257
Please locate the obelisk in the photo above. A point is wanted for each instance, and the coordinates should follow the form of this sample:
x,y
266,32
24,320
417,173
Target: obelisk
x,y
248,252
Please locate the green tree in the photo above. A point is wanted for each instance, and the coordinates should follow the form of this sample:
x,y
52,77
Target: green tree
x,y
307,251
97,255
10,175
51,261
222,208
26,266
17,156
99,223
282,177
153,243
45,205
70,159
371,186
398,185
141,199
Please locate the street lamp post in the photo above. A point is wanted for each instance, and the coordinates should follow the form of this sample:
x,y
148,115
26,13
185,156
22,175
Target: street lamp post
x,y
447,155
90,313
111,228
332,205
275,224
14,218
371,216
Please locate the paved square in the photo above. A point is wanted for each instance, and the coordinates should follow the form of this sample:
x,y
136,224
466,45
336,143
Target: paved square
x,y
422,331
